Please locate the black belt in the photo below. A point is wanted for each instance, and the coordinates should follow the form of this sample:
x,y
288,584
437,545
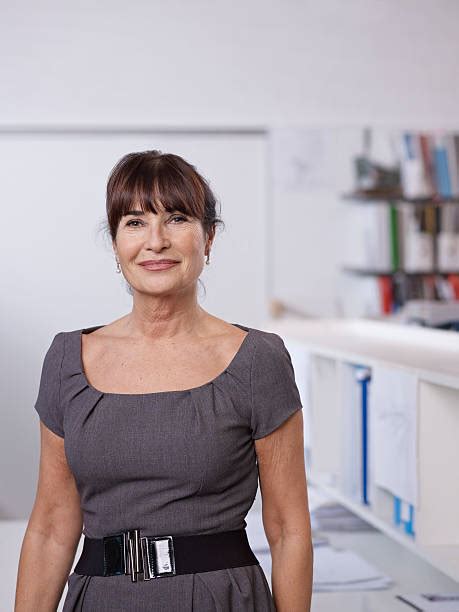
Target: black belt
x,y
157,556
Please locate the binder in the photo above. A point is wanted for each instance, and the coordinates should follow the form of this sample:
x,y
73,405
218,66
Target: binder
x,y
394,238
418,243
363,377
442,170
428,162
404,515
355,462
452,155
386,294
413,172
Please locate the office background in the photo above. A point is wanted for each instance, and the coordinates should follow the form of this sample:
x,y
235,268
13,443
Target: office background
x,y
224,85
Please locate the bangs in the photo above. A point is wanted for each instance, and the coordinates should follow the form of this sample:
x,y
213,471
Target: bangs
x,y
152,181
156,184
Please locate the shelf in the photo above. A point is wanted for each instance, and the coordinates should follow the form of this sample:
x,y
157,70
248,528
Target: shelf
x,y
326,350
363,272
391,198
444,558
432,354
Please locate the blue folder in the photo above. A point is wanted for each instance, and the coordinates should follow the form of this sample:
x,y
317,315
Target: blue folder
x,y
363,377
408,524
443,179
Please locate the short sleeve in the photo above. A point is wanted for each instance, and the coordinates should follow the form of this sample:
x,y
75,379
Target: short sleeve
x,y
48,403
275,395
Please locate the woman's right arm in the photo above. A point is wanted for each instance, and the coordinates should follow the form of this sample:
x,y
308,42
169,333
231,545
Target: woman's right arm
x,y
53,531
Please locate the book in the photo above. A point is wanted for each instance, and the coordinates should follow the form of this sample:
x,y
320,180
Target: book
x,y
415,181
452,155
442,170
386,294
418,243
425,142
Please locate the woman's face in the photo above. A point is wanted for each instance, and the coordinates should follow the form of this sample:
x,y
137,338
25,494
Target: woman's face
x,y
167,235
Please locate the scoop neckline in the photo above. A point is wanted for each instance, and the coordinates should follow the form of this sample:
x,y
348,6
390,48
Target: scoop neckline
x,y
156,393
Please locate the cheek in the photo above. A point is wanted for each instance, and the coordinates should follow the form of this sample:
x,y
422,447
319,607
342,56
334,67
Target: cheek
x,y
192,242
128,246
192,250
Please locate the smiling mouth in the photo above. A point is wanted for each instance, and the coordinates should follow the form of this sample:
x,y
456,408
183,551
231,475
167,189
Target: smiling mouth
x,y
159,265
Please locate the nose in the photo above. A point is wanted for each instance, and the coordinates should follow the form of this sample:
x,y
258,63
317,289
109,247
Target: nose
x,y
157,237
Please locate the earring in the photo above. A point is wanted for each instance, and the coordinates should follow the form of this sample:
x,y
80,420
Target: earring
x,y
207,260
118,267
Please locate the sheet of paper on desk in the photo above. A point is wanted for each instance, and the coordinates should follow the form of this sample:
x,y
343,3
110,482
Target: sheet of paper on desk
x,y
344,570
335,517
432,602
337,570
393,426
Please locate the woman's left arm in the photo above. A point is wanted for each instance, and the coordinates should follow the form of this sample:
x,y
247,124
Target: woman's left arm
x,y
285,514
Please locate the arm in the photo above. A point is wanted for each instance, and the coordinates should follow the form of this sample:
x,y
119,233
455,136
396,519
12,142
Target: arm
x,y
286,514
53,531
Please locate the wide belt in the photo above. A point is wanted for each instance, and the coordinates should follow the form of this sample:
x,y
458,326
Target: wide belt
x,y
158,556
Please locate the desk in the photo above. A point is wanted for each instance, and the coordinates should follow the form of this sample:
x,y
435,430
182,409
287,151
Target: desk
x,y
410,573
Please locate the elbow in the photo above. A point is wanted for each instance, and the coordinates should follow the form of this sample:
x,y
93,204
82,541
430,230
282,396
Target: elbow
x,y
283,531
63,526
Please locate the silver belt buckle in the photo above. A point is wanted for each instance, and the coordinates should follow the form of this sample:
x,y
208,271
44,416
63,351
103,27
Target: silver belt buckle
x,y
151,555
131,553
158,556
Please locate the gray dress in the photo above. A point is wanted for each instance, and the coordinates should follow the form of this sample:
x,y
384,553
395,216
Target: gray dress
x,y
170,462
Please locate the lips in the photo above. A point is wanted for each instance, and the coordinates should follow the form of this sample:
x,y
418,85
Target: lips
x,y
155,262
161,264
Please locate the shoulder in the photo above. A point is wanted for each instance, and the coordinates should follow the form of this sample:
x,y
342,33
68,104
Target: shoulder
x,y
274,393
61,344
57,345
267,338
269,355
268,344
60,339
54,353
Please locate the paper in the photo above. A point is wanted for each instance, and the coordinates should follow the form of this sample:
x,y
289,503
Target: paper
x,y
299,160
393,431
343,570
338,570
366,236
431,602
335,517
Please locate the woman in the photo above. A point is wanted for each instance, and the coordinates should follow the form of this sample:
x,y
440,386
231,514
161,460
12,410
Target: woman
x,y
169,416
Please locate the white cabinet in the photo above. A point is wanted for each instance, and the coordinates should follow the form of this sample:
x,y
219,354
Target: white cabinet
x,y
331,349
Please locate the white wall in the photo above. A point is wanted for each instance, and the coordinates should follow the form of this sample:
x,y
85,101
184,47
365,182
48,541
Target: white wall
x,y
242,62
203,64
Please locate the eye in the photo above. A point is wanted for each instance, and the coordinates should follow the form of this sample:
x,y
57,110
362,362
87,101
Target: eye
x,y
181,217
133,221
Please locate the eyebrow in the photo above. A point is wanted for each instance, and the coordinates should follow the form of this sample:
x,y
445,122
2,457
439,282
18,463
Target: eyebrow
x,y
137,213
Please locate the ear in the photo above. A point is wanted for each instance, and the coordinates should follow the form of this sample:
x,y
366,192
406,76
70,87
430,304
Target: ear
x,y
210,237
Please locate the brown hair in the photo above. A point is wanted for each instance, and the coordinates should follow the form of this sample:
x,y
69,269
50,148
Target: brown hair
x,y
149,177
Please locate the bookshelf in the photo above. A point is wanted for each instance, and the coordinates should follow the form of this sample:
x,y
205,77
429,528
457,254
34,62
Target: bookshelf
x,y
400,271
388,198
432,356
394,201
405,244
